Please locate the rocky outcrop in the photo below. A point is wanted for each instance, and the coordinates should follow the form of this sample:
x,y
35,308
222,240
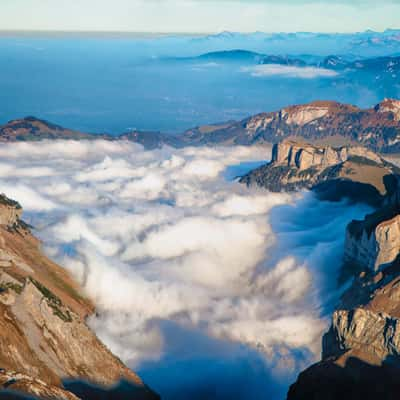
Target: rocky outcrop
x,y
360,329
361,350
334,173
44,338
303,115
319,122
10,211
12,382
390,106
372,243
303,156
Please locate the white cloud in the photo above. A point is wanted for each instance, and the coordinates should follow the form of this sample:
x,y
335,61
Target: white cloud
x,y
288,71
162,242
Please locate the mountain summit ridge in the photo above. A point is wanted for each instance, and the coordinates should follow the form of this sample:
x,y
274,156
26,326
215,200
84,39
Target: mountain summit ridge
x,y
318,122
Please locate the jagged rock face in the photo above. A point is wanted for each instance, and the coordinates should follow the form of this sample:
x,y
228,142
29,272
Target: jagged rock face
x,y
373,249
42,320
320,122
16,382
10,211
361,350
361,329
347,171
303,156
390,106
303,115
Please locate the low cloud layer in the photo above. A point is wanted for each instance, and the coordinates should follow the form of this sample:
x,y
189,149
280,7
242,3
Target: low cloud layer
x,y
193,275
287,71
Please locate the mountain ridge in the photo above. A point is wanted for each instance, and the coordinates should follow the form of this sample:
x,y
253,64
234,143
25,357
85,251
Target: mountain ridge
x,y
330,122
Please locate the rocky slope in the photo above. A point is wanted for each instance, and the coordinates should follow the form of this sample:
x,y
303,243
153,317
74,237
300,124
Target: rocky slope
x,y
360,356
351,171
361,350
44,340
320,122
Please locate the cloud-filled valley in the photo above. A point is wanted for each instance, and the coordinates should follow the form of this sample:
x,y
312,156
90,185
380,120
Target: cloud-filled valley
x,y
198,280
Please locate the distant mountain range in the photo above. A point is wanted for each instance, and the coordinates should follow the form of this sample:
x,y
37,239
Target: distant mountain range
x,y
364,44
336,62
320,122
380,73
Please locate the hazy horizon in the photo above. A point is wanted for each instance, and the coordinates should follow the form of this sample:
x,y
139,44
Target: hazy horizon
x,y
191,33
199,15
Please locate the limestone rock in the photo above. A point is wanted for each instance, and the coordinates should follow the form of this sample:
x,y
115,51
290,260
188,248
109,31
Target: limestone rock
x,y
10,211
44,337
373,247
391,106
334,173
319,122
363,329
16,382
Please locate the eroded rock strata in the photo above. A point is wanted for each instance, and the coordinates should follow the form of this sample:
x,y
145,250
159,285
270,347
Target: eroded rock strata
x,y
346,171
43,336
319,122
360,356
361,350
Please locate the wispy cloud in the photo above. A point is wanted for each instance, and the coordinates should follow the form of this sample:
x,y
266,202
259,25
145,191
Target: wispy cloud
x,y
271,70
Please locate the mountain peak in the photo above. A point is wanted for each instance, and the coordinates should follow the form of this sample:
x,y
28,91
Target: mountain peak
x,y
389,105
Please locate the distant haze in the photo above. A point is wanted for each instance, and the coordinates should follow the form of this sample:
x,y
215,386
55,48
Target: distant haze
x,y
199,15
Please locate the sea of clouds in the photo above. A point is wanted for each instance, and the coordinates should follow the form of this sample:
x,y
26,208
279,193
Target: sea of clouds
x,y
208,288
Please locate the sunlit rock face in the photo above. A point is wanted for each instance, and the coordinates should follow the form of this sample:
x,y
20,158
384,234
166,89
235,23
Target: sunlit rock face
x,y
303,115
11,382
44,338
10,211
333,172
320,122
390,106
377,334
360,352
376,248
303,156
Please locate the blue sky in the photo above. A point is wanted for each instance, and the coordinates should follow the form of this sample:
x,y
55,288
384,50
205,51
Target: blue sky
x,y
200,15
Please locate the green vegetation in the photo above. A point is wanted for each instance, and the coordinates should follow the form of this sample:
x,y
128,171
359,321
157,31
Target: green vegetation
x,y
13,286
4,200
363,161
53,301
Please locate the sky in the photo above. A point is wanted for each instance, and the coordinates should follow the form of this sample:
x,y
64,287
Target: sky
x,y
199,15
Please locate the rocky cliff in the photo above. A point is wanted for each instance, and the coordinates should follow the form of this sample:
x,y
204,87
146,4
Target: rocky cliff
x,y
44,340
347,171
360,357
320,122
361,350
